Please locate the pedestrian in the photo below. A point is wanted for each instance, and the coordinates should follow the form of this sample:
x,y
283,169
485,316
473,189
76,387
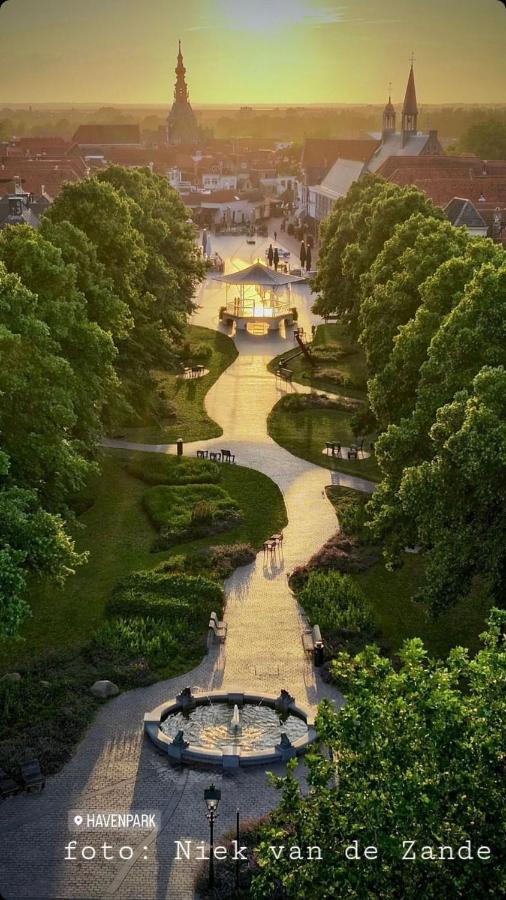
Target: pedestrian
x,y
270,254
308,258
276,258
302,255
275,236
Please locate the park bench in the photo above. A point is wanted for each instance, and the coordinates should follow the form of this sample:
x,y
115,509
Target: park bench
x,y
313,644
227,456
33,779
214,455
202,454
217,629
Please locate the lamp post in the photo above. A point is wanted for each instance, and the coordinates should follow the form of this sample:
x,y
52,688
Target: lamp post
x,y
212,796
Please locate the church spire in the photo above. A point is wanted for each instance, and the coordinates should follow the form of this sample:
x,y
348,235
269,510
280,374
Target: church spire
x,y
410,108
389,115
181,89
182,125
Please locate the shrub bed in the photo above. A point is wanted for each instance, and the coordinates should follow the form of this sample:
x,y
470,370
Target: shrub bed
x,y
189,512
335,602
158,468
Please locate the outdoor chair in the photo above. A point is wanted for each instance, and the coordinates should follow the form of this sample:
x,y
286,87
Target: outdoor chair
x,y
33,779
8,787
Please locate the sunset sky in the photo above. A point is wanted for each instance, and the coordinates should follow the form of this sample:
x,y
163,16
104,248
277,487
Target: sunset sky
x,y
251,51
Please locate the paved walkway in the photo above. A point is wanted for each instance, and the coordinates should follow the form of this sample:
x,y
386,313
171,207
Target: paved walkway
x,y
114,768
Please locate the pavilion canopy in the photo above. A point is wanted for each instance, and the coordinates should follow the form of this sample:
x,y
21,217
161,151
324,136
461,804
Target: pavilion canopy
x,y
258,275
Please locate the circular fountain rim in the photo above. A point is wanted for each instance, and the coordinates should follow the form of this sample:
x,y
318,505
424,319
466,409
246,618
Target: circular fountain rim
x,y
179,750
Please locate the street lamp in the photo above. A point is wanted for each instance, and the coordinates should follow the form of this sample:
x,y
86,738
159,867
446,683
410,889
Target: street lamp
x,y
212,796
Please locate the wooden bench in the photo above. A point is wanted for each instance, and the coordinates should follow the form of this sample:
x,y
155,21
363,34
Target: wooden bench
x,y
202,454
217,629
227,456
313,644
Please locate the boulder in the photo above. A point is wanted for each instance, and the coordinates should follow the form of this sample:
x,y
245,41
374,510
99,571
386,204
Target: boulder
x,y
104,689
11,676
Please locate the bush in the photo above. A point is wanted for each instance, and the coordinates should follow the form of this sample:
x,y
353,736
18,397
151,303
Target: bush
x,y
195,591
350,507
188,512
145,638
196,353
339,554
317,401
158,468
203,512
225,558
335,603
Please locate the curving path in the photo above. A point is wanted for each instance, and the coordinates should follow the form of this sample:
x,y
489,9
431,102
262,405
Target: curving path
x,y
113,767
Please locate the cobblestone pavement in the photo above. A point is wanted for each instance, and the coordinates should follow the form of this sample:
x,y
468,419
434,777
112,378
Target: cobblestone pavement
x,y
114,768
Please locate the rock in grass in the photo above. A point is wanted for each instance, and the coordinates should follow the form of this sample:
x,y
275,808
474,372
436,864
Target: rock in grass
x,y
11,676
104,689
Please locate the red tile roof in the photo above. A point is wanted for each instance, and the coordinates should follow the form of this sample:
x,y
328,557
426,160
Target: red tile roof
x,y
323,152
97,135
41,176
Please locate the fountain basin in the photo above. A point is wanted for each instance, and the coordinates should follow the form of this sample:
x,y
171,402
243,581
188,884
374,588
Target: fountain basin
x,y
205,729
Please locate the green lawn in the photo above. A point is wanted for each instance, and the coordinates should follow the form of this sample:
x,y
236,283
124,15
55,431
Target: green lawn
x,y
118,535
399,617
304,433
350,361
190,420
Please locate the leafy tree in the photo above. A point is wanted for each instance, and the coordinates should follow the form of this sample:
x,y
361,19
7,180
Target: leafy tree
x,y
37,415
106,218
391,287
87,348
457,500
470,338
32,541
486,139
392,391
379,221
103,305
416,754
174,268
345,224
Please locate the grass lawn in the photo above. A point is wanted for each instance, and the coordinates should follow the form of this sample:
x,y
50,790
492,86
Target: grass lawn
x,y
350,362
399,617
190,420
118,535
304,433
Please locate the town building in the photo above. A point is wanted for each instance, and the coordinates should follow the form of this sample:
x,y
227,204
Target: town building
x,y
331,167
21,208
182,127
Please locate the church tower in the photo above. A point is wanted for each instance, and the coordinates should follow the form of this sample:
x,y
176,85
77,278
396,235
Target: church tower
x,y
410,109
389,117
182,125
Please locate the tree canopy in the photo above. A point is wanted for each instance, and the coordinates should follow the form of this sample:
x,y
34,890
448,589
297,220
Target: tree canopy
x,y
88,304
415,755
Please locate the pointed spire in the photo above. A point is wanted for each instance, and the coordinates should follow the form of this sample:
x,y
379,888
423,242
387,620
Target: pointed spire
x,y
410,107
389,114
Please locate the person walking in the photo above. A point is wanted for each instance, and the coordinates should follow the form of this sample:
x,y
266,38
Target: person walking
x,y
308,258
270,255
276,258
275,236
302,255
